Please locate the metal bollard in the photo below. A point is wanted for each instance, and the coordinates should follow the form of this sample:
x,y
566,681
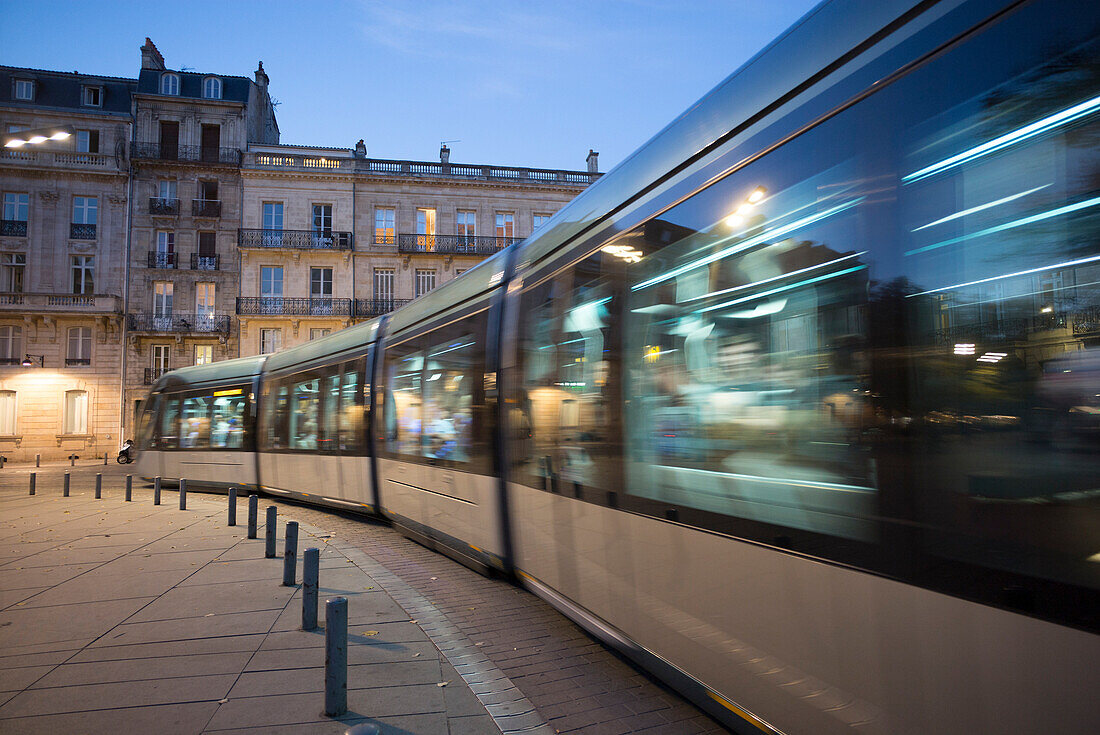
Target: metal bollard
x,y
311,559
104,458
269,533
129,488
336,656
232,506
34,481
253,510
65,489
98,485
290,555
156,490
38,460
72,460
183,494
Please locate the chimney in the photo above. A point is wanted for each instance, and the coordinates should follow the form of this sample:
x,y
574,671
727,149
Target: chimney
x,y
150,56
360,149
593,163
444,154
261,76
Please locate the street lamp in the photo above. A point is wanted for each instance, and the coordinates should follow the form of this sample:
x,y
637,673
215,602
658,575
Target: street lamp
x,y
37,136
30,360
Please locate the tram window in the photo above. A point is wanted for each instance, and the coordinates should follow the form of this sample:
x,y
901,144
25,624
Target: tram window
x,y
454,397
146,428
275,415
168,430
351,410
195,422
565,431
227,431
304,414
330,408
402,420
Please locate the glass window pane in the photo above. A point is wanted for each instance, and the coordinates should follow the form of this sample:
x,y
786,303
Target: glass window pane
x,y
168,432
330,409
229,419
195,422
454,399
304,414
7,413
352,411
403,366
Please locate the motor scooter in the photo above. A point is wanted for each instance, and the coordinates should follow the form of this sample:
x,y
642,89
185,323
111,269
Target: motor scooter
x,y
125,455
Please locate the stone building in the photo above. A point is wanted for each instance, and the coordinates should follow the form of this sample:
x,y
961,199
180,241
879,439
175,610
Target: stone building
x,y
172,228
62,263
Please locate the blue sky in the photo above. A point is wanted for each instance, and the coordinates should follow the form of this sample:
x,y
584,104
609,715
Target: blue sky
x,y
517,83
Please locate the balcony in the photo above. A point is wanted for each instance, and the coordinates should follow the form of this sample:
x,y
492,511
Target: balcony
x,y
51,303
77,361
279,306
453,244
177,323
152,375
81,232
164,207
365,308
206,208
186,153
294,239
161,260
59,160
13,228
204,262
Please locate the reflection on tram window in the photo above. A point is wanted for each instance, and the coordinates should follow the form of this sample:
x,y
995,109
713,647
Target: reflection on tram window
x,y
276,412
567,359
404,364
168,431
304,414
330,408
228,419
195,422
453,390
351,410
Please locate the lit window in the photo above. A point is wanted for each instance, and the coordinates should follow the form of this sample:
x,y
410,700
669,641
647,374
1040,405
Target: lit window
x,y
7,413
204,354
506,224
76,412
162,357
270,340
80,346
425,229
24,89
212,88
170,84
92,96
384,226
466,223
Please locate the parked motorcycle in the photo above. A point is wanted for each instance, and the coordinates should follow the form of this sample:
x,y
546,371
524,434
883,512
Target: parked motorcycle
x,y
125,455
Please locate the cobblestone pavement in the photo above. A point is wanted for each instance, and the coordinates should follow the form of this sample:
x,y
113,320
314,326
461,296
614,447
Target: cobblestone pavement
x,y
574,682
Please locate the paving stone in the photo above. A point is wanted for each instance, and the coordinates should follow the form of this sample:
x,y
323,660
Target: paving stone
x,y
216,599
95,586
103,672
201,646
185,628
174,718
36,702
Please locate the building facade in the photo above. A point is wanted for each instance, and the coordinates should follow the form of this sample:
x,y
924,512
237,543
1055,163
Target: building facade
x,y
172,228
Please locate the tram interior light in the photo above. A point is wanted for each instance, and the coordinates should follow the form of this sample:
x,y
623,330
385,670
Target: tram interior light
x,y
37,136
964,348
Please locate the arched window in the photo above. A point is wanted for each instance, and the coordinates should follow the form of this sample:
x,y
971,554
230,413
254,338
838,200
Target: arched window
x,y
170,84
7,413
76,412
212,88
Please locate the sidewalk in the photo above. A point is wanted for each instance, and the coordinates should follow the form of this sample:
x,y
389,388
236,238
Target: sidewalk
x,y
123,617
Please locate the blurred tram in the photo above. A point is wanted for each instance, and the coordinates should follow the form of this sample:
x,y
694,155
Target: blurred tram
x,y
794,407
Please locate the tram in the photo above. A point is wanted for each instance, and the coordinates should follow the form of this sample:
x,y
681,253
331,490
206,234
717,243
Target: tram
x,y
796,407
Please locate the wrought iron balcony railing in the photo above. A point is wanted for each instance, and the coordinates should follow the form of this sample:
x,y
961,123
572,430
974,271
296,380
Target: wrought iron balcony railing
x,y
189,153
206,208
161,260
77,361
453,244
204,262
377,307
153,374
296,239
81,232
164,206
177,323
13,228
279,306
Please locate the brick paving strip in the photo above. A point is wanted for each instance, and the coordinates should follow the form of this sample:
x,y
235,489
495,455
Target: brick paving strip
x,y
487,628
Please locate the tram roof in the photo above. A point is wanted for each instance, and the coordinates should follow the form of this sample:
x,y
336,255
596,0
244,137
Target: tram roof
x,y
471,284
226,371
338,343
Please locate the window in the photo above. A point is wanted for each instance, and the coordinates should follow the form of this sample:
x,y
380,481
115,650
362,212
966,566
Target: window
x,y
270,340
465,223
11,345
404,366
165,255
170,84
322,220
208,191
383,284
320,283
205,320
453,402
271,289
12,267
352,408
162,304
207,257
305,404
7,413
538,220
87,141
506,226
204,354
85,210
167,432
166,188
384,218
212,88
460,271
318,333
16,207
83,267
273,215
80,346
425,229
229,413
161,356
75,420
425,281
195,422
92,96
24,89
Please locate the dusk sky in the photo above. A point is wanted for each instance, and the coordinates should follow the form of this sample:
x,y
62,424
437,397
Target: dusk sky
x,y
514,83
